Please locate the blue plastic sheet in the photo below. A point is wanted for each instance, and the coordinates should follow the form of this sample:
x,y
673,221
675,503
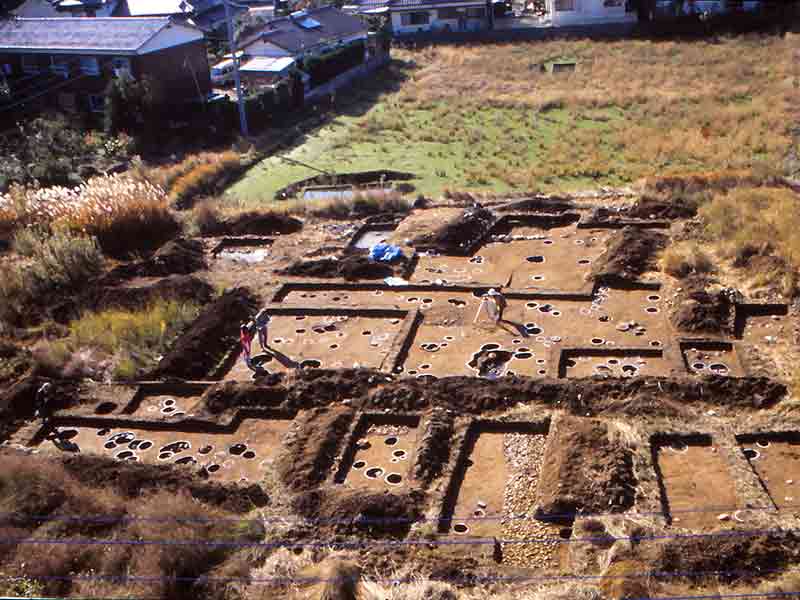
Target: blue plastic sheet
x,y
385,253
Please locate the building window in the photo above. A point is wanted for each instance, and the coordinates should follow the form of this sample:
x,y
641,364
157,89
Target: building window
x,y
97,103
478,12
90,65
30,64
416,18
564,5
8,69
449,13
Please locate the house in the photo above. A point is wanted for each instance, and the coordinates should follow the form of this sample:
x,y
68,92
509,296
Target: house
x,y
154,8
417,16
68,62
305,33
39,9
586,12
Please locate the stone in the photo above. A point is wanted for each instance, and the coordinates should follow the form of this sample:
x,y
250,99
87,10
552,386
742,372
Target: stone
x,y
724,517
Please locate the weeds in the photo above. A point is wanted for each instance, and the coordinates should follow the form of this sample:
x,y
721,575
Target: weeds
x,y
61,262
131,340
685,258
205,178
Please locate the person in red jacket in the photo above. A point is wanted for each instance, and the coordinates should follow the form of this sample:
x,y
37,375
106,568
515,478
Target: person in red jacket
x,y
246,340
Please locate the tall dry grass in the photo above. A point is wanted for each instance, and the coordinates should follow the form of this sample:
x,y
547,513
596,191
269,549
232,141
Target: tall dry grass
x,y
664,106
125,215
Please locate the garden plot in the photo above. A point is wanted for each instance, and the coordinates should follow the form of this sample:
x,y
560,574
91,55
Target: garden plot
x,y
696,483
559,258
776,461
332,341
711,358
381,453
493,494
243,454
448,342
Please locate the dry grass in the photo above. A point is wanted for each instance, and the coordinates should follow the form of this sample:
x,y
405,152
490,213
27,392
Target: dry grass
x,y
59,263
43,487
757,221
118,343
125,215
198,175
667,107
686,258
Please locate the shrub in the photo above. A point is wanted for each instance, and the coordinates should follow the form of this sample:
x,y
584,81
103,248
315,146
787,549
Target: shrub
x,y
363,202
205,179
207,218
61,262
685,258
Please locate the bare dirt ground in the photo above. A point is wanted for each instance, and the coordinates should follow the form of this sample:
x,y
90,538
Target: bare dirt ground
x,y
546,443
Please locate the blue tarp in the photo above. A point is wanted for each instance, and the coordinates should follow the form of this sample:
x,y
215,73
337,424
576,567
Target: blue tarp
x,y
385,253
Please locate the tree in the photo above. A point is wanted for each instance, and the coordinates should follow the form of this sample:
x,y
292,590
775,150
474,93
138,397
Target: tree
x,y
134,107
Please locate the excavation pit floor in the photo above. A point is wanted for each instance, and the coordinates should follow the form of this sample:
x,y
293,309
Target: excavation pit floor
x,y
706,361
314,341
698,485
496,499
448,339
777,464
244,454
383,457
559,258
166,406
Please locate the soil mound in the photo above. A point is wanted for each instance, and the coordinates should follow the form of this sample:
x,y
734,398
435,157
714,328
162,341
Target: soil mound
x,y
648,207
630,253
255,223
348,267
434,447
177,287
267,393
209,339
136,479
376,514
700,310
459,235
584,470
310,454
177,257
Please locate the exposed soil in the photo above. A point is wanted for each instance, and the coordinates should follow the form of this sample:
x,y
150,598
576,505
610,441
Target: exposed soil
x,y
135,479
177,257
361,178
211,337
584,470
255,223
351,267
700,310
376,515
460,234
630,252
648,207
185,288
309,455
228,395
434,446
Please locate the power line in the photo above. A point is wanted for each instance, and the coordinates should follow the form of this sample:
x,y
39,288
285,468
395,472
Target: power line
x,y
388,520
218,543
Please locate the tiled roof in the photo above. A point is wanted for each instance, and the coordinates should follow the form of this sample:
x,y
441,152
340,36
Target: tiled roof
x,y
288,34
404,4
79,33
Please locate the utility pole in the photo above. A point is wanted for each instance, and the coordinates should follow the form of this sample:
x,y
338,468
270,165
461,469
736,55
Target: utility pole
x,y
242,111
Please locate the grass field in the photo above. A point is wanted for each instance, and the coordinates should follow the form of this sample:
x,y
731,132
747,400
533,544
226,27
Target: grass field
x,y
487,117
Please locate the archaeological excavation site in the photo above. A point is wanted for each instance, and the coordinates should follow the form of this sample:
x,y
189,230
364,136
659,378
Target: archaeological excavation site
x,y
522,401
